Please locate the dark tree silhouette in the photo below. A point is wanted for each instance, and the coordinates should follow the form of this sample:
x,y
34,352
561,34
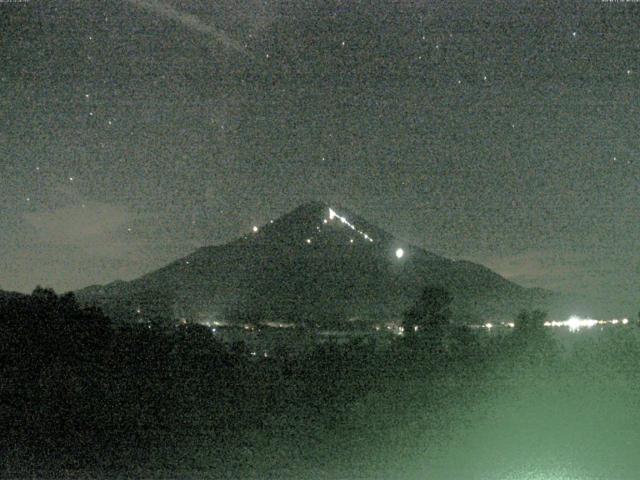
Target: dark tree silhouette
x,y
431,312
530,322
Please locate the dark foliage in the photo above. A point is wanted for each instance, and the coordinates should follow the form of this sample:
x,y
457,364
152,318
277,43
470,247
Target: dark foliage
x,y
81,394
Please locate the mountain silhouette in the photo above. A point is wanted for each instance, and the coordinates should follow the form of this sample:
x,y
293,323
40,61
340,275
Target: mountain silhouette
x,y
316,265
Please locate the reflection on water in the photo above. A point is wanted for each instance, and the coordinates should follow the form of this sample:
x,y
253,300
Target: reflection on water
x,y
575,418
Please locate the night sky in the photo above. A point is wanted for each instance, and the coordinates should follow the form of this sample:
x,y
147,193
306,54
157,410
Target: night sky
x,y
133,132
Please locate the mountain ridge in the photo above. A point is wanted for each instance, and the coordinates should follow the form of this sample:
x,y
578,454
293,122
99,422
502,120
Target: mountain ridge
x,y
316,264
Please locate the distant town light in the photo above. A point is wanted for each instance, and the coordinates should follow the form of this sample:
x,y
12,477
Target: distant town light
x,y
575,323
255,229
399,253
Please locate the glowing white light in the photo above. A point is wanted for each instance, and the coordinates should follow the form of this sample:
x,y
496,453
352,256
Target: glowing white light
x,y
399,253
325,221
308,240
625,321
576,323
351,240
255,229
333,214
488,325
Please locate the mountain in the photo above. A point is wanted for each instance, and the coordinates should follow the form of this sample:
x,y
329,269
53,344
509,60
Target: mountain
x,y
314,265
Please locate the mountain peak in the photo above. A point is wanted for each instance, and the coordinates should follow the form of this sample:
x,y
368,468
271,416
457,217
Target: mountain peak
x,y
319,262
